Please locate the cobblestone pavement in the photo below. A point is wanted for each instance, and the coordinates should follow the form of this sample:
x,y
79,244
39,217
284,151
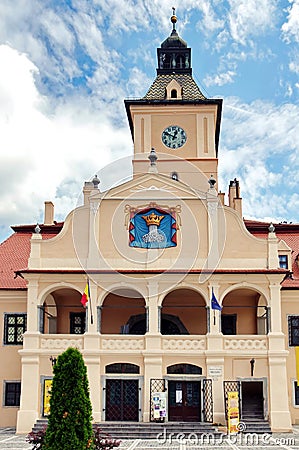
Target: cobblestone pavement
x,y
288,441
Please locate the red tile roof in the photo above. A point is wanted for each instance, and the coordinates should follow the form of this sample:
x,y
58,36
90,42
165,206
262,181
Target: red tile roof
x,y
15,251
289,232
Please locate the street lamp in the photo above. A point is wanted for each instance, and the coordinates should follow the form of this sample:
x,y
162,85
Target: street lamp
x,y
53,360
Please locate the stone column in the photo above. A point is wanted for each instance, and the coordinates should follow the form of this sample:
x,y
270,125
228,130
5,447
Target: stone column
x,y
30,392
92,361
215,371
278,389
153,309
32,303
275,303
152,370
212,204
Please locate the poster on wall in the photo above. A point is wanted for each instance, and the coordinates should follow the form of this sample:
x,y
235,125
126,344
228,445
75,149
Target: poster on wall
x,y
159,405
47,396
233,412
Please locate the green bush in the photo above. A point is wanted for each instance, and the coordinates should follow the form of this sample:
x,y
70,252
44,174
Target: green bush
x,y
70,418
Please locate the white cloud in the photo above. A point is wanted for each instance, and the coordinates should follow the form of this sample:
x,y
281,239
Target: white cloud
x,y
41,151
290,29
209,22
259,146
220,79
249,18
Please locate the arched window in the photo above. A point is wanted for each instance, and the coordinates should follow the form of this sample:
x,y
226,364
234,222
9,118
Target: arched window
x,y
122,368
187,369
174,93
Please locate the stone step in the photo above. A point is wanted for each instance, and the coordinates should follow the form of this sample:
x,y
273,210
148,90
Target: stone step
x,y
257,426
142,430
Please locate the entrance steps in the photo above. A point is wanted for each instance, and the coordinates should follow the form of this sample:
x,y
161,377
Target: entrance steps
x,y
144,430
159,431
258,426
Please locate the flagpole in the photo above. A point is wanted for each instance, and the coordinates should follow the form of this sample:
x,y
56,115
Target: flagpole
x,y
91,315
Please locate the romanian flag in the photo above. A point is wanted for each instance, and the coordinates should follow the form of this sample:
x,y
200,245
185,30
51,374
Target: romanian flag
x,y
86,295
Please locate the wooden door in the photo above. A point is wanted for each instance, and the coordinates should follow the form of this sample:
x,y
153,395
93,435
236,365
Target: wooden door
x,y
184,401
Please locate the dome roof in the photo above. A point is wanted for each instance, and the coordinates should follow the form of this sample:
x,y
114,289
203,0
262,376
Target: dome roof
x,y
174,41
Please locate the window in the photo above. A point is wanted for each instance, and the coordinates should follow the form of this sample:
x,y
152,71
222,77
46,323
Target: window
x,y
296,394
229,323
283,261
77,323
12,393
122,368
14,328
174,93
293,322
184,369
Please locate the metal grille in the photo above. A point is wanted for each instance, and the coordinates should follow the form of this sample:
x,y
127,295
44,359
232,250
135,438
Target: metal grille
x,y
77,323
231,386
156,385
14,327
207,401
122,400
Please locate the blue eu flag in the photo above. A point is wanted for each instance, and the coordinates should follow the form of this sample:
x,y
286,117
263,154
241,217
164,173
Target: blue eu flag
x,y
214,302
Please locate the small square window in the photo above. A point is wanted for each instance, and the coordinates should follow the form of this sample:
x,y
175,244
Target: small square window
x,y
12,393
283,261
14,328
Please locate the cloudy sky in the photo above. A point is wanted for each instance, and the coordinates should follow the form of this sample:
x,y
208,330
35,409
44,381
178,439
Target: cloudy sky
x,y
67,65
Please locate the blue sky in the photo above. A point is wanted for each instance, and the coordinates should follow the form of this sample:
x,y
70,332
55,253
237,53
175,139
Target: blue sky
x,y
67,65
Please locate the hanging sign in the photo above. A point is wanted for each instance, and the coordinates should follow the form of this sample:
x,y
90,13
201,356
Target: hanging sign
x,y
233,412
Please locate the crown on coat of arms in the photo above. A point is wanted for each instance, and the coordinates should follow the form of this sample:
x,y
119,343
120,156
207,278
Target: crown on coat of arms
x,y
153,219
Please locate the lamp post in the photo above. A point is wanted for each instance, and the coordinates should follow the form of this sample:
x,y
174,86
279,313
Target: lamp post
x,y
53,360
252,362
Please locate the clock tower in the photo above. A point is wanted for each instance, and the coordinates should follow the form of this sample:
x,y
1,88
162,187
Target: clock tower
x,y
176,119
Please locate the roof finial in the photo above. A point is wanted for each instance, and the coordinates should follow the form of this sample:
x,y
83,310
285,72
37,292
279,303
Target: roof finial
x,y
153,158
173,19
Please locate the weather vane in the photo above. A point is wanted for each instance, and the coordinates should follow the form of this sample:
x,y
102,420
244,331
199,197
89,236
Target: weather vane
x,y
173,18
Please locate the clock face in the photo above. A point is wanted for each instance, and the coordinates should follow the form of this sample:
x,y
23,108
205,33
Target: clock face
x,y
174,136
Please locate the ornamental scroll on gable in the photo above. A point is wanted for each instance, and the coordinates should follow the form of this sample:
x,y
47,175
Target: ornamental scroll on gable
x,y
152,226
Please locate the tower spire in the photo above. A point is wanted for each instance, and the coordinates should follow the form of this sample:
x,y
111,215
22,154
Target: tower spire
x,y
173,19
174,56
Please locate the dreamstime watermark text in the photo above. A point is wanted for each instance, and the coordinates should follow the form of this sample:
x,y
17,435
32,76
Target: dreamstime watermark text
x,y
245,439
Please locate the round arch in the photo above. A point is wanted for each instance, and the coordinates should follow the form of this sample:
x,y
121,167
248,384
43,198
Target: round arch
x,y
119,310
184,311
54,287
197,290
245,285
244,311
61,311
114,289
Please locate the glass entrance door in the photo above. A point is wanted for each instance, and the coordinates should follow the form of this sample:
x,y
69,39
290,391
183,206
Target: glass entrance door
x,y
184,401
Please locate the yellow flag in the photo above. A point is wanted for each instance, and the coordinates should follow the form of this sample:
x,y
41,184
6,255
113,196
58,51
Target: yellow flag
x,y
297,364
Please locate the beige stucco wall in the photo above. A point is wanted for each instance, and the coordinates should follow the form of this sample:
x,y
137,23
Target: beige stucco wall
x,y
290,307
10,367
